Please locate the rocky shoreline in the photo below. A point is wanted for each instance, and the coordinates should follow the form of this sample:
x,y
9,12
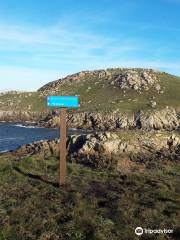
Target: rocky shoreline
x,y
109,149
165,119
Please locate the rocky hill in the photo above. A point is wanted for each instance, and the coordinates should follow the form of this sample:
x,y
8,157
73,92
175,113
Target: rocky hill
x,y
137,79
118,88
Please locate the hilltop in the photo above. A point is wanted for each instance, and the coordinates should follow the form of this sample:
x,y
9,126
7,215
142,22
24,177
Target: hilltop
x,y
123,78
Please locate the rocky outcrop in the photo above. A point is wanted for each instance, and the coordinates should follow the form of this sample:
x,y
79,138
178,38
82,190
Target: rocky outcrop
x,y
166,119
137,80
43,147
95,148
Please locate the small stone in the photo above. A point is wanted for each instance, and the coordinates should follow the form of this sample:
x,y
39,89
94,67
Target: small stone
x,y
153,104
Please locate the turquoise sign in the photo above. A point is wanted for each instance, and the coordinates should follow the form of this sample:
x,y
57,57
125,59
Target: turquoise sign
x,y
62,101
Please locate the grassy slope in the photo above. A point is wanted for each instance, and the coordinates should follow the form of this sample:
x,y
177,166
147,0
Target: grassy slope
x,y
94,205
103,96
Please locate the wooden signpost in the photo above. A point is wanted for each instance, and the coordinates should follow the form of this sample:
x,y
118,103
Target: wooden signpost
x,y
63,102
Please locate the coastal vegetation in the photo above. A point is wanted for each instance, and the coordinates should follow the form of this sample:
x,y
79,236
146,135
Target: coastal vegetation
x,y
94,204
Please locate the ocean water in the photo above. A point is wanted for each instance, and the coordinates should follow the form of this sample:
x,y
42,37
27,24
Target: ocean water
x,y
12,135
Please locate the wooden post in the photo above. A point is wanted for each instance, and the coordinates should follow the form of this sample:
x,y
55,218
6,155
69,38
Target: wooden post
x,y
62,165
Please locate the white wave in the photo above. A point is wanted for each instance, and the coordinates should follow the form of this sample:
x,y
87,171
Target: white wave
x,y
73,129
11,138
78,130
23,126
4,151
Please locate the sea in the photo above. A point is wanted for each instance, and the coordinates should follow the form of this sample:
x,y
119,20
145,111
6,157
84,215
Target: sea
x,y
13,135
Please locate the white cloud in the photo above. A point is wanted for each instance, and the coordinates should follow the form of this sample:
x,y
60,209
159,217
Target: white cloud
x,y
33,56
52,37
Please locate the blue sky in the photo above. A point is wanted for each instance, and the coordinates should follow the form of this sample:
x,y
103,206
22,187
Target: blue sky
x,y
42,40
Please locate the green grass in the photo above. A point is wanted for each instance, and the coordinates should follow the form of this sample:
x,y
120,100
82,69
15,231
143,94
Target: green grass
x,y
102,96
172,91
21,101
93,205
